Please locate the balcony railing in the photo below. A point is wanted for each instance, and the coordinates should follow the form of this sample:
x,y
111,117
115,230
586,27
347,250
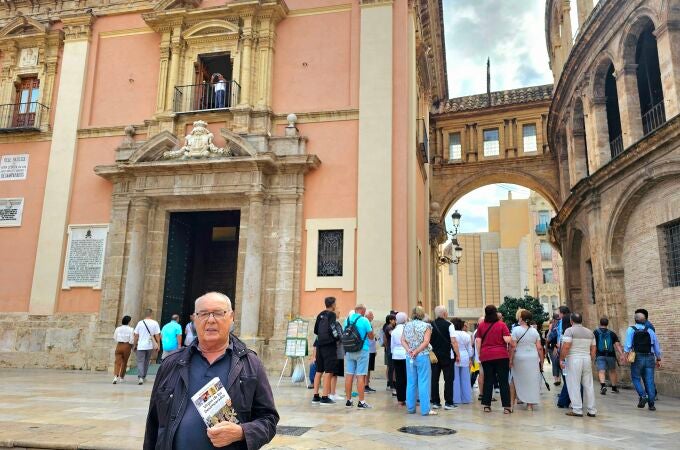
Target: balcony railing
x,y
206,96
22,116
654,118
616,146
542,229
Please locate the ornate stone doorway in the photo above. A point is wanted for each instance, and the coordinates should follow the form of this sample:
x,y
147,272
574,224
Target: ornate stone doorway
x,y
171,200
202,254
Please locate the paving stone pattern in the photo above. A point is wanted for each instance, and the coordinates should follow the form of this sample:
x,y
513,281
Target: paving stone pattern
x,y
42,408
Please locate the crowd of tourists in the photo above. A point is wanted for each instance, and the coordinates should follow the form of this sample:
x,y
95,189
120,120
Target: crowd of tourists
x,y
494,358
147,340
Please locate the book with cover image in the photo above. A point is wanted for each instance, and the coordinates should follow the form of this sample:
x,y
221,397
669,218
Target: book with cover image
x,y
214,404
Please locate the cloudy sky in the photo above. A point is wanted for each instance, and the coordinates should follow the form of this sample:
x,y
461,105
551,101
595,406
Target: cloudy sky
x,y
510,32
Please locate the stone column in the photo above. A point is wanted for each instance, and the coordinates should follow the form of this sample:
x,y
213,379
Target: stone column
x,y
285,263
579,154
173,74
598,143
583,8
668,44
629,104
567,38
59,181
252,273
136,266
115,256
246,66
163,72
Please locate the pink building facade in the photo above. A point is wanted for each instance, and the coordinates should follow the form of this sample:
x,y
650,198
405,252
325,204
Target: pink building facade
x,y
133,176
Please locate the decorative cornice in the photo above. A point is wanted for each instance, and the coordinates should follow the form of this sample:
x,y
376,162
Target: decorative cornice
x,y
337,115
372,3
320,10
117,130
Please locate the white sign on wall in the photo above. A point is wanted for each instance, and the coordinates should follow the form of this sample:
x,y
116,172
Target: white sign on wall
x,y
13,167
85,256
10,212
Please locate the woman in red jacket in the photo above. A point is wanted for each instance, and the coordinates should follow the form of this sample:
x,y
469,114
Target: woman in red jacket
x,y
492,339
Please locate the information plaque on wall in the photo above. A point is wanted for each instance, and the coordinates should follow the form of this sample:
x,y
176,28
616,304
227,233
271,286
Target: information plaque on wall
x,y
296,338
85,256
11,210
13,167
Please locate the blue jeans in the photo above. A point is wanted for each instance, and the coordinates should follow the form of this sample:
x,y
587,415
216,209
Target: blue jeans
x,y
563,400
418,376
643,367
220,96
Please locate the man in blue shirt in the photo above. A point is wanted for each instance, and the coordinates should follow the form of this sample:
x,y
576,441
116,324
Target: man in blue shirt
x,y
171,336
356,363
647,358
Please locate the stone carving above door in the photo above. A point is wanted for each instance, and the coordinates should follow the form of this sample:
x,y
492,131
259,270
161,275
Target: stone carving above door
x,y
198,145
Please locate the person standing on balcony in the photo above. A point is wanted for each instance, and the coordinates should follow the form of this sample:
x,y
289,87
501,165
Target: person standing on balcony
x,y
220,84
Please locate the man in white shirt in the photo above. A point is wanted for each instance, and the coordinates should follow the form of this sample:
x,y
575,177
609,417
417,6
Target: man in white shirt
x,y
147,336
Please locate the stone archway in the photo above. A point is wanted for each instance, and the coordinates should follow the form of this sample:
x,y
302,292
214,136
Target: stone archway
x,y
263,181
450,182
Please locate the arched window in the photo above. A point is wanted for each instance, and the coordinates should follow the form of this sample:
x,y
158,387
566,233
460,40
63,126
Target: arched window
x,y
613,116
649,81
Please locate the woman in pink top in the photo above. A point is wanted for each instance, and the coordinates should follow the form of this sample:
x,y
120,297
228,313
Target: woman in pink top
x,y
492,341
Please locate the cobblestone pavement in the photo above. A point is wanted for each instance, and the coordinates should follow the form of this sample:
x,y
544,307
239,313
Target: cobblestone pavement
x,y
71,409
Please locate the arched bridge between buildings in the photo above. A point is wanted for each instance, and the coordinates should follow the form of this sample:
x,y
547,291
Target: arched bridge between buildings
x,y
452,180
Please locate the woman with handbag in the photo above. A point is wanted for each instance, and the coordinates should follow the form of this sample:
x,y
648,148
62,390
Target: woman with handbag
x,y
416,340
526,360
492,340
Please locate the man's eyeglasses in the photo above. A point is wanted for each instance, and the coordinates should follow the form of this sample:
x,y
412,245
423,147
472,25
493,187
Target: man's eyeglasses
x,y
203,315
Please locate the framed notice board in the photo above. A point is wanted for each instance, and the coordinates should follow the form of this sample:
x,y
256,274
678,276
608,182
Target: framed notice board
x,y
296,338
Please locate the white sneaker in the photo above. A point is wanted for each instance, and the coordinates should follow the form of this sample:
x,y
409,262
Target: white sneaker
x,y
337,396
140,381
115,380
332,397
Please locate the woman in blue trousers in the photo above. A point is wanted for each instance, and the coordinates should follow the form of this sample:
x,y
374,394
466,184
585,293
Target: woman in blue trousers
x,y
415,340
462,389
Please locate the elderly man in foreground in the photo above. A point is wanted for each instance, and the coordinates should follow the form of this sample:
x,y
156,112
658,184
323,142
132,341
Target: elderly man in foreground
x,y
173,423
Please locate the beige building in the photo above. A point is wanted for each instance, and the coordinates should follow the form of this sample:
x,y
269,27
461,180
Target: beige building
x,y
512,256
615,125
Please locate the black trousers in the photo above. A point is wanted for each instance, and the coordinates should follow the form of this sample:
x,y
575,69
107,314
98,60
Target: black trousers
x,y
445,366
390,370
400,378
496,370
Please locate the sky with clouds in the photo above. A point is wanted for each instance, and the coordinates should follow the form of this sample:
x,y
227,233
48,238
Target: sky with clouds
x,y
510,32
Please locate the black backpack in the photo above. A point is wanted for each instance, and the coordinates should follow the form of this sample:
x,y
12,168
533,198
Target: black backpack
x,y
351,339
642,340
326,331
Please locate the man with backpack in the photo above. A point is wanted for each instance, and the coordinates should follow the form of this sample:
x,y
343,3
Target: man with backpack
x,y
357,331
643,351
326,351
608,348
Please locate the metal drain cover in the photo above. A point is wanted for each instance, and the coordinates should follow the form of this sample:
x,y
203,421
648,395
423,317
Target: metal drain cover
x,y
427,431
292,431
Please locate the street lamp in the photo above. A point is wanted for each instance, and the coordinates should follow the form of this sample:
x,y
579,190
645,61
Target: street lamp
x,y
526,291
457,249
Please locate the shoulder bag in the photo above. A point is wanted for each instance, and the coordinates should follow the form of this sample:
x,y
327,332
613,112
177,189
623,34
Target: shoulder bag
x,y
151,338
631,353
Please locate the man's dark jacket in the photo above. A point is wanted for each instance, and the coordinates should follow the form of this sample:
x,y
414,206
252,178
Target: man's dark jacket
x,y
247,386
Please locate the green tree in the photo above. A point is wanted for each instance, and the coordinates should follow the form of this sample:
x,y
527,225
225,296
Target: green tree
x,y
511,305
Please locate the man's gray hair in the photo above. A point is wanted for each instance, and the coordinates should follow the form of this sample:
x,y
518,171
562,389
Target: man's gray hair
x,y
218,295
360,306
401,317
640,318
440,312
